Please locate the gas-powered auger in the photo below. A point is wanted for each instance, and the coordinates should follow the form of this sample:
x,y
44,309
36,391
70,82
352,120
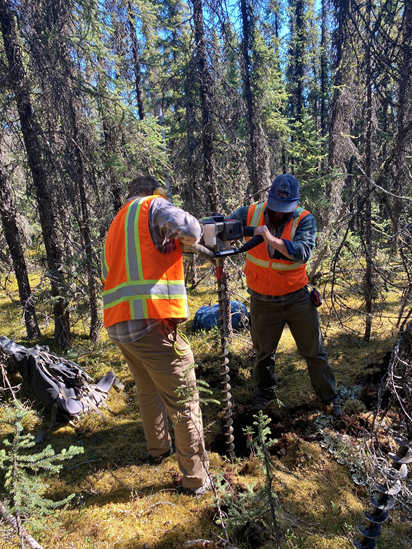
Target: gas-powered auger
x,y
218,235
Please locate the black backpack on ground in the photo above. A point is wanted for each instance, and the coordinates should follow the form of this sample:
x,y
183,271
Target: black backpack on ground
x,y
62,387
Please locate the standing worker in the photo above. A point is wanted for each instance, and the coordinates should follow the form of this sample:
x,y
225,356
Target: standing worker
x,y
277,283
144,300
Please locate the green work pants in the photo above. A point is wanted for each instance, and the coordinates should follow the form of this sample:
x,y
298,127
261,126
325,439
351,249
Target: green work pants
x,y
268,318
159,363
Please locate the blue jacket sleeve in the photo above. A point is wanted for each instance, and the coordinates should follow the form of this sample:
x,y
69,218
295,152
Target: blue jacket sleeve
x,y
240,214
301,247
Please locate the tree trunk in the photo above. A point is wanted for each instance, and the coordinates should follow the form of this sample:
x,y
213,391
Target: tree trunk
x,y
12,235
21,532
111,147
76,143
136,62
258,155
368,201
299,61
323,70
208,133
37,160
247,91
205,100
226,302
195,202
153,81
342,115
403,116
84,221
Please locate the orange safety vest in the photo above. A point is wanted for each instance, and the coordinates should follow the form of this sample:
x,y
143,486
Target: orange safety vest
x,y
273,276
139,280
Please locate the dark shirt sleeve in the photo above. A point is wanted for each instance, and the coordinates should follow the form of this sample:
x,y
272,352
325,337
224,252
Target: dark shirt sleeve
x,y
301,247
240,214
289,247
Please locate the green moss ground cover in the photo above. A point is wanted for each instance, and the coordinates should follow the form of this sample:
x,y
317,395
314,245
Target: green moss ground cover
x,y
122,503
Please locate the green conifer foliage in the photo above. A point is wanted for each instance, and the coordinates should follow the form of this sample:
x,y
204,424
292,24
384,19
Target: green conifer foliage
x,y
25,470
254,511
306,151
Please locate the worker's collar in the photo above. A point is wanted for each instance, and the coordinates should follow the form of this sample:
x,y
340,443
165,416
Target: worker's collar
x,y
133,198
139,197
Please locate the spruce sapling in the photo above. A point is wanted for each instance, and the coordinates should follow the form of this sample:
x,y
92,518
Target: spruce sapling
x,y
24,471
255,510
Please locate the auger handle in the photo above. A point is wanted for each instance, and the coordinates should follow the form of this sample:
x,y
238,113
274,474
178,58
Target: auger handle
x,y
255,241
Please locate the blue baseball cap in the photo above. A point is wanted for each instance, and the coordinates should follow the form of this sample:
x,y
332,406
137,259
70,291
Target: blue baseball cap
x,y
284,194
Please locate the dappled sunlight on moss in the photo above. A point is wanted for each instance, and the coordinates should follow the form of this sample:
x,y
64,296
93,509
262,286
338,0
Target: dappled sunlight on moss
x,y
122,503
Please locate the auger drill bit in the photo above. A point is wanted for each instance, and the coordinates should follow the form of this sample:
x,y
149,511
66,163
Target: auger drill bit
x,y
385,499
224,368
218,233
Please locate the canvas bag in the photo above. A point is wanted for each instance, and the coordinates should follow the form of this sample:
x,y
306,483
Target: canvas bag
x,y
62,386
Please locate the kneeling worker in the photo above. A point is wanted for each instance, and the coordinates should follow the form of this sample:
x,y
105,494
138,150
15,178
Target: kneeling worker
x,y
277,283
144,300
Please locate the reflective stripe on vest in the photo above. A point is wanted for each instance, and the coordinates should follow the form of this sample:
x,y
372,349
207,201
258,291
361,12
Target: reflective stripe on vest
x,y
295,222
105,268
161,295
131,231
273,276
148,289
277,264
259,210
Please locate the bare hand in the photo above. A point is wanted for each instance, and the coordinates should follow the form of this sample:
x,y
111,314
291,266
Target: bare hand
x,y
273,241
263,231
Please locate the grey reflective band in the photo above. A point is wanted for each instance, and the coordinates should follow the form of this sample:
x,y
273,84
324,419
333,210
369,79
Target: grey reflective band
x,y
105,268
256,214
132,243
147,289
276,265
295,223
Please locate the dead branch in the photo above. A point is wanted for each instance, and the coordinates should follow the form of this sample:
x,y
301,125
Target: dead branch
x,y
334,229
199,280
7,382
381,188
152,506
122,483
84,463
197,543
10,519
221,544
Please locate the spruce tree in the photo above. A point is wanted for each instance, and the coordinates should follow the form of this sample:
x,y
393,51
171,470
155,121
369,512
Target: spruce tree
x,y
25,471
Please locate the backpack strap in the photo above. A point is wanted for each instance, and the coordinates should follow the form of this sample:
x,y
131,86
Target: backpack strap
x,y
53,423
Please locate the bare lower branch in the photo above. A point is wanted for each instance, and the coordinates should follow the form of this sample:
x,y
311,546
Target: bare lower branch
x,y
10,519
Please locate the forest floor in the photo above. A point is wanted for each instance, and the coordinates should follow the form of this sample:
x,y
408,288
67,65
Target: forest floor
x,y
320,479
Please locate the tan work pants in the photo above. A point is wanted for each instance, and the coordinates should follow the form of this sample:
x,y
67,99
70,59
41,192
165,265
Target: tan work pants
x,y
159,363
